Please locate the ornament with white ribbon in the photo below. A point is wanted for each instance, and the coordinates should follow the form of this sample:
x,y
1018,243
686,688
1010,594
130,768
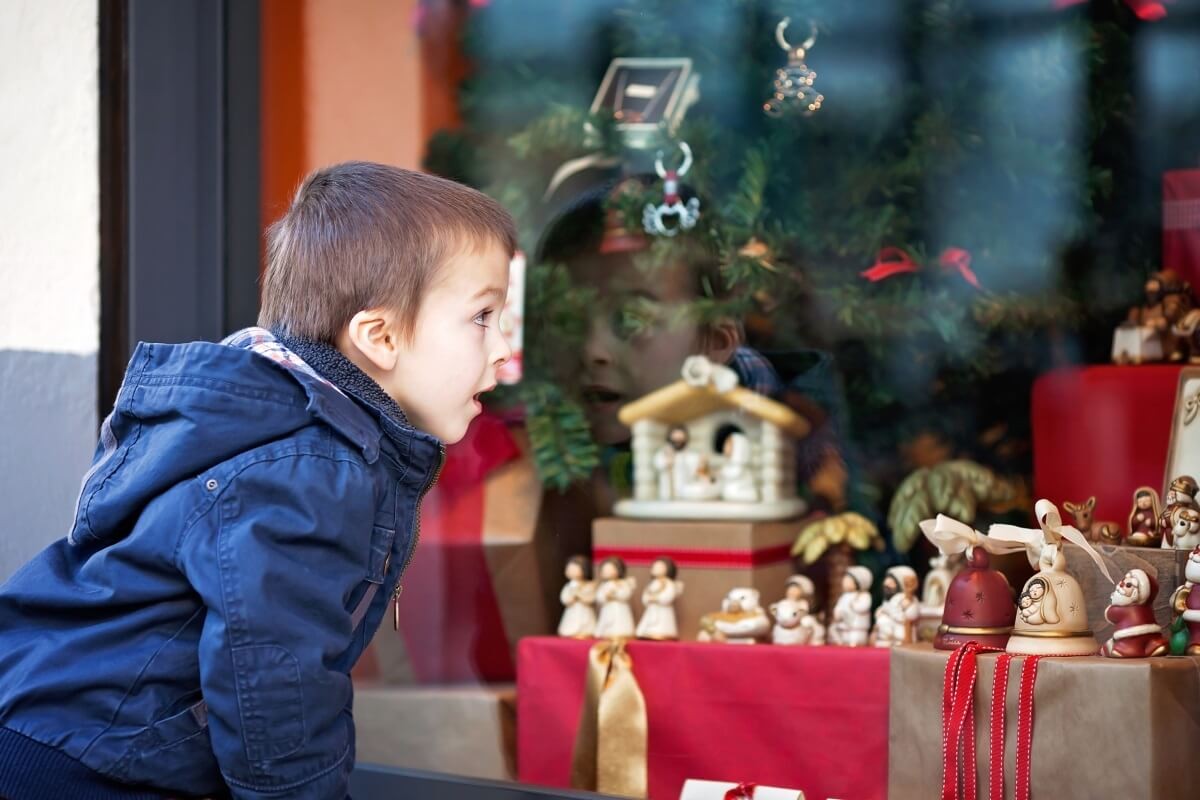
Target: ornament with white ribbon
x,y
1042,545
951,536
686,215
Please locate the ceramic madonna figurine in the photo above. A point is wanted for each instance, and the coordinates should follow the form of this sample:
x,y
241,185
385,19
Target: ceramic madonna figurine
x,y
1186,603
741,619
851,622
1051,613
737,481
1137,635
979,603
578,598
1143,518
1175,524
658,598
896,619
613,596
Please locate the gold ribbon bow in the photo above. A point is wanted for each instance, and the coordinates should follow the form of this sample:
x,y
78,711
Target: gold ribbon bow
x,y
610,747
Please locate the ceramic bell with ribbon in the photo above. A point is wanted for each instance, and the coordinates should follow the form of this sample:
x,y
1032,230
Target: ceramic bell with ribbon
x,y
979,602
1051,612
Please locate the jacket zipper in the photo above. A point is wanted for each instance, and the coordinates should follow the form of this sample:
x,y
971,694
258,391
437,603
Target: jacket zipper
x,y
416,535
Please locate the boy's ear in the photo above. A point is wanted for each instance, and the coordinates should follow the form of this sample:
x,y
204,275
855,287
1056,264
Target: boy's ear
x,y
720,339
372,334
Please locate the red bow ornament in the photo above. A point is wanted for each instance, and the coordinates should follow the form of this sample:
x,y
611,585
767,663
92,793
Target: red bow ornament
x,y
743,791
1146,10
895,261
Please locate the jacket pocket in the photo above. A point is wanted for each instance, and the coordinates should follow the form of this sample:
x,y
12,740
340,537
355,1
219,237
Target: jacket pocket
x,y
174,753
271,701
377,567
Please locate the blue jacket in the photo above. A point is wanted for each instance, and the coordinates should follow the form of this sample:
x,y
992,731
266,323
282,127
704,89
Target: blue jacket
x,y
236,543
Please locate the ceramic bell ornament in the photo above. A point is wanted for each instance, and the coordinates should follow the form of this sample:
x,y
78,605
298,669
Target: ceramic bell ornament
x,y
1131,611
578,598
896,619
979,604
851,623
1051,612
658,599
613,596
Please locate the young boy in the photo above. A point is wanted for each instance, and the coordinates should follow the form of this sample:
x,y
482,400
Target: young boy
x,y
252,506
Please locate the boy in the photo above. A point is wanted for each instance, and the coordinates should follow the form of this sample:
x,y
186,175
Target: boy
x,y
252,506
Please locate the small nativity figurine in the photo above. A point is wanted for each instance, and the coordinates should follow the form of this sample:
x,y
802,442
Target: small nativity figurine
x,y
578,598
1143,518
794,621
613,596
1149,333
1131,610
707,448
1181,497
658,598
896,619
851,624
741,619
1186,604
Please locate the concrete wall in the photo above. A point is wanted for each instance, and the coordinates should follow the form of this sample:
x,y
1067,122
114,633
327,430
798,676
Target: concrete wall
x,y
49,257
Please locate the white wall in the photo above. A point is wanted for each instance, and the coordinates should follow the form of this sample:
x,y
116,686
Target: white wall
x,y
49,265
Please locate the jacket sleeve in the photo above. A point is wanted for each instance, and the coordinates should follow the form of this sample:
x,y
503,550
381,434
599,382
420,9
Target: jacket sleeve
x,y
276,560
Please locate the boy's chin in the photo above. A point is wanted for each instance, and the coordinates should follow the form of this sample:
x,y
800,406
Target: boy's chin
x,y
608,430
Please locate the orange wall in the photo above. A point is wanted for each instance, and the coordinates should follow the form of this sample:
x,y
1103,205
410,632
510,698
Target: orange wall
x,y
352,79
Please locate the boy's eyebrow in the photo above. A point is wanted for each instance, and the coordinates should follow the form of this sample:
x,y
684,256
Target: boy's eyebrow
x,y
489,290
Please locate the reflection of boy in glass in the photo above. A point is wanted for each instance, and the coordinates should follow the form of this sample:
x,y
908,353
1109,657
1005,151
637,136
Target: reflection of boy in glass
x,y
639,331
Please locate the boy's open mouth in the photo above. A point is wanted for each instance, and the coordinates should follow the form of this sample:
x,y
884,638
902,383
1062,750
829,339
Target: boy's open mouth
x,y
598,395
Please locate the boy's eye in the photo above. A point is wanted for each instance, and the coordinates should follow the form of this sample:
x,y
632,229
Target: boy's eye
x,y
635,318
482,318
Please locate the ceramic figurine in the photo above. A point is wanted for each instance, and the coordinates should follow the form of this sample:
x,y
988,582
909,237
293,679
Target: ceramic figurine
x,y
1149,333
1144,529
851,624
670,464
613,596
1181,494
1082,516
1186,603
1051,613
658,598
800,587
737,481
578,598
1184,533
741,619
896,619
943,568
979,603
1131,610
795,624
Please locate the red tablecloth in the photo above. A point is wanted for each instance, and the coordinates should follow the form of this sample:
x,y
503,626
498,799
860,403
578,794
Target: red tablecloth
x,y
813,718
1102,431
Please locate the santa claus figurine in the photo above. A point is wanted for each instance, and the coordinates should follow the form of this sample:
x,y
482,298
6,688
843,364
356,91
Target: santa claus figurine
x,y
852,615
896,619
1137,635
1186,602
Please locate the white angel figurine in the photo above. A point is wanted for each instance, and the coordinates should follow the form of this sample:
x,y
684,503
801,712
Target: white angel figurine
x,y
613,595
658,620
578,597
851,624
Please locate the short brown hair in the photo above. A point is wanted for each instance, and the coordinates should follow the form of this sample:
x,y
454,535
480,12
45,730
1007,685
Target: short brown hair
x,y
360,235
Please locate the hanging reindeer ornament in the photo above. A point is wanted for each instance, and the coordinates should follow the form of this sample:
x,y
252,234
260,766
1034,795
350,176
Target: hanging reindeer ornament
x,y
655,218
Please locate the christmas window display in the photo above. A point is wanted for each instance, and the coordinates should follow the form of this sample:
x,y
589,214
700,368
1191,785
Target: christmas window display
x,y
772,323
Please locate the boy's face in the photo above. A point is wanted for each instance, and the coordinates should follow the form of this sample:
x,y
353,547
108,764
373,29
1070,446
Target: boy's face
x,y
622,362
456,346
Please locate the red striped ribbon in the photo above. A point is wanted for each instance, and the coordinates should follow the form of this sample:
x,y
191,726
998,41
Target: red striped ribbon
x,y
696,557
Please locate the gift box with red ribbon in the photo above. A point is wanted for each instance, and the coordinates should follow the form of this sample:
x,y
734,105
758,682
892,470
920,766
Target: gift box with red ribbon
x,y
712,558
974,723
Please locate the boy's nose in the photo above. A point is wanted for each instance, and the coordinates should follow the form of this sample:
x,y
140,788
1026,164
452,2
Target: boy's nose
x,y
598,349
502,351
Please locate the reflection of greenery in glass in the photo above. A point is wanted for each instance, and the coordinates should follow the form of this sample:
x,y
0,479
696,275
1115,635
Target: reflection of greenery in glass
x,y
1009,132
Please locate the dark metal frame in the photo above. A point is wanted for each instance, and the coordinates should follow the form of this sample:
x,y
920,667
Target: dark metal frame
x,y
179,174
374,782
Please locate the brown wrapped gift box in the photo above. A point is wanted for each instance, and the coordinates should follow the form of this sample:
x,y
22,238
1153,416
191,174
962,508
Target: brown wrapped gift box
x,y
1102,727
464,730
713,557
